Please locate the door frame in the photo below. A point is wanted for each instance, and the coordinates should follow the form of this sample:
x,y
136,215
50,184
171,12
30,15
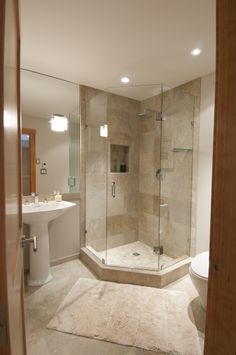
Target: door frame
x,y
9,15
220,338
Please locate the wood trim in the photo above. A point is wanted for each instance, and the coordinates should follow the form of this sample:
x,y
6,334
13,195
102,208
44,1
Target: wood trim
x,y
32,133
20,162
4,350
221,309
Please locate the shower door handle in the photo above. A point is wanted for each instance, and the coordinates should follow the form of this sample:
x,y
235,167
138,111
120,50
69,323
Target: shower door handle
x,y
159,174
113,189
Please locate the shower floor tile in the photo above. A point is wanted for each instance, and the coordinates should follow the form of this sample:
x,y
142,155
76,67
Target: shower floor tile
x,y
124,256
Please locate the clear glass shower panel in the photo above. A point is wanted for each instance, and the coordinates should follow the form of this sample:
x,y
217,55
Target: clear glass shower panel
x,y
132,185
74,147
176,180
96,173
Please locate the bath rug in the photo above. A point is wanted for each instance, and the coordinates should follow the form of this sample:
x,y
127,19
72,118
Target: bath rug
x,y
143,317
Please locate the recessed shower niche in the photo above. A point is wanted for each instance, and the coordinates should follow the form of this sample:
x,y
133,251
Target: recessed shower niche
x,y
119,158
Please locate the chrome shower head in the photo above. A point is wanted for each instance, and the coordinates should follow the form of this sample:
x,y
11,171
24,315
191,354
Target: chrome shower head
x,y
145,113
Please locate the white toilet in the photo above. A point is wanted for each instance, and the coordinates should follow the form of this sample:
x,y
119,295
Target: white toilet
x,y
199,274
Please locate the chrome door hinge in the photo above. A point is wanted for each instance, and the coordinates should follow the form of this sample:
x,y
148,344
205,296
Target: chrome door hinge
x,y
159,116
3,326
158,250
160,174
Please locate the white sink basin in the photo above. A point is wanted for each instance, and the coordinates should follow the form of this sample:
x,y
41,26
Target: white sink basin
x,y
44,211
37,216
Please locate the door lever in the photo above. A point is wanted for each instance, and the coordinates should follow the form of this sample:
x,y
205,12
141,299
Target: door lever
x,y
32,240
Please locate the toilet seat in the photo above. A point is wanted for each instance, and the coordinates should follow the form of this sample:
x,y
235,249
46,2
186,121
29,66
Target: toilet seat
x,y
200,265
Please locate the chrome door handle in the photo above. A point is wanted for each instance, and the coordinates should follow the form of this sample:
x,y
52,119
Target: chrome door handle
x,y
32,240
159,174
113,189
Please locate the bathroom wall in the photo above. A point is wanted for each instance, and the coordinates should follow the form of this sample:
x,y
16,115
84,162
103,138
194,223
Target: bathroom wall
x,y
64,235
204,175
52,148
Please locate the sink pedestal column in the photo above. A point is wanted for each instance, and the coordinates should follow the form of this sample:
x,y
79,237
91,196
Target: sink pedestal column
x,y
40,260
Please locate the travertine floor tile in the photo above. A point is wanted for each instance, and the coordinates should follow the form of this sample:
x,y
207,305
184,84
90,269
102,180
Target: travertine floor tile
x,y
41,304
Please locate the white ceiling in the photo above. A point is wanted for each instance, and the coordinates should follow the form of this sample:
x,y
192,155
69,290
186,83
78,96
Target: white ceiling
x,y
95,42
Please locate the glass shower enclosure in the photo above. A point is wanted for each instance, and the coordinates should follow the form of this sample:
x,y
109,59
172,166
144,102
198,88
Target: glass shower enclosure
x,y
139,157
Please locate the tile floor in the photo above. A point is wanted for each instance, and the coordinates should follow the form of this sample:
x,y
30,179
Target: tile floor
x,y
41,304
124,256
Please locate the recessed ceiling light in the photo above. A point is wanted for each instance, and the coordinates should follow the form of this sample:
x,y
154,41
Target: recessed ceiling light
x,y
125,79
196,51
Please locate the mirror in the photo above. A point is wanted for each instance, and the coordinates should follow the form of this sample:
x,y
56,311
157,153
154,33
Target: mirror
x,y
51,158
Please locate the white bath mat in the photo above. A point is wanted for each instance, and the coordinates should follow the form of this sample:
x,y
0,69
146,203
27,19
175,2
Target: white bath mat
x,y
143,317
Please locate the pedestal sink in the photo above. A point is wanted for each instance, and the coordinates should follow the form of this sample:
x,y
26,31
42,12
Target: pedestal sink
x,y
37,216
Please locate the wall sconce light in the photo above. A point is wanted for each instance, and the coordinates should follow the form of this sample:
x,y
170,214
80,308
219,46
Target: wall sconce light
x,y
104,130
59,123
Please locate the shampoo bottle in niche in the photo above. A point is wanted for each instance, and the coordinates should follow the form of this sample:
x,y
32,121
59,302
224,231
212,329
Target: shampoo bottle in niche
x,y
58,197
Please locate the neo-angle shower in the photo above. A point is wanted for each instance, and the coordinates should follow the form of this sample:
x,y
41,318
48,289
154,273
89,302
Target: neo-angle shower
x,y
147,160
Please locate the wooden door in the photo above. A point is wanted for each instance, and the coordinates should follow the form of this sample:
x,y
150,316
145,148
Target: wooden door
x,y
221,309
11,275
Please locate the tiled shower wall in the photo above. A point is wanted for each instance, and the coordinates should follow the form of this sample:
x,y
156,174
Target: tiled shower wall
x,y
177,159
134,213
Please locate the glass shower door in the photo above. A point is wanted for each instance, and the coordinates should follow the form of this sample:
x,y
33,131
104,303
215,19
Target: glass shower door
x,y
133,186
96,173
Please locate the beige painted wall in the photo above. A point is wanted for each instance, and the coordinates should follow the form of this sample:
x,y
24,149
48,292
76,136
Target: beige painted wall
x,y
204,176
64,234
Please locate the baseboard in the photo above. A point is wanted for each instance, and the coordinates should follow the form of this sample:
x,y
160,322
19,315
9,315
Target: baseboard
x,y
59,261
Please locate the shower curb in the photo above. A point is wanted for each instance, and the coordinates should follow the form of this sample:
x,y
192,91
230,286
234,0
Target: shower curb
x,y
133,276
